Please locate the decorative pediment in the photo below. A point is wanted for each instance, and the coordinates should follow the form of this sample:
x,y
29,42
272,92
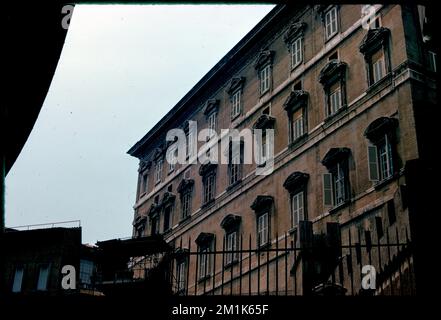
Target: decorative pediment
x,y
139,221
181,253
204,238
334,155
379,127
206,168
295,180
236,84
373,39
265,57
211,105
144,165
231,221
265,121
295,30
333,70
168,198
185,184
295,100
158,153
262,203
154,209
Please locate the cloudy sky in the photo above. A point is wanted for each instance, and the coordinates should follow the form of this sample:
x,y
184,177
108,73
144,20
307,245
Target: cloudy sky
x,y
122,68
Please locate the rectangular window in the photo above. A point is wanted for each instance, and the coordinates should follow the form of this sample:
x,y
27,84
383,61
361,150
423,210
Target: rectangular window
x,y
339,185
174,155
336,185
297,208
209,187
212,121
43,275
265,79
296,52
155,225
297,124
263,229
334,99
144,183
181,275
167,217
235,167
331,25
86,272
432,61
204,263
186,204
18,279
380,159
235,104
231,246
158,171
190,144
378,66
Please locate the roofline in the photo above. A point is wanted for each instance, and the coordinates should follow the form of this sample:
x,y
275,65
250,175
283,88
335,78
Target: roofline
x,y
226,60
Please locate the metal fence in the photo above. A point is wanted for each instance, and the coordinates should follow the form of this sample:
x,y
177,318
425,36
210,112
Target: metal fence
x,y
288,267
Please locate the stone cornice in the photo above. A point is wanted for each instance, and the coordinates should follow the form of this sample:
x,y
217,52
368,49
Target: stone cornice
x,y
265,121
265,57
294,31
332,71
373,39
236,84
295,180
295,100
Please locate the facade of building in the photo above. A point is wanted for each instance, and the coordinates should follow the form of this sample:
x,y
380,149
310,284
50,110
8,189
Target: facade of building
x,y
346,96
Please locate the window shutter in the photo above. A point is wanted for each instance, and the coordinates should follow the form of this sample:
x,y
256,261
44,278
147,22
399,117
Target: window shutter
x,y
327,189
373,163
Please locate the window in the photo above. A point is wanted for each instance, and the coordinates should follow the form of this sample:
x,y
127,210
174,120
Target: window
x,y
144,183
432,61
235,166
181,276
380,159
336,184
297,86
190,144
231,246
296,52
265,79
297,208
331,26
378,67
186,204
158,171
86,272
43,275
18,279
205,262
334,99
333,56
209,187
297,124
167,217
263,229
154,220
236,104
333,79
212,121
174,155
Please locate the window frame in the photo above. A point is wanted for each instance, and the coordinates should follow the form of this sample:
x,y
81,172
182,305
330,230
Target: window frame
x,y
236,104
296,47
265,78
18,287
263,216
158,170
330,35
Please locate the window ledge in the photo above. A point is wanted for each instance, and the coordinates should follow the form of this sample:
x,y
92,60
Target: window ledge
x,y
384,182
234,185
340,206
231,264
205,278
208,204
263,247
333,116
377,86
297,142
183,220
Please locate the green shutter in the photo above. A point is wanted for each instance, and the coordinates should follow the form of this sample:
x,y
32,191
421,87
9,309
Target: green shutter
x,y
373,163
327,189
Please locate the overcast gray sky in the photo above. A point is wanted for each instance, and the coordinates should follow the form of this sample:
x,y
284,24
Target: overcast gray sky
x,y
121,69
